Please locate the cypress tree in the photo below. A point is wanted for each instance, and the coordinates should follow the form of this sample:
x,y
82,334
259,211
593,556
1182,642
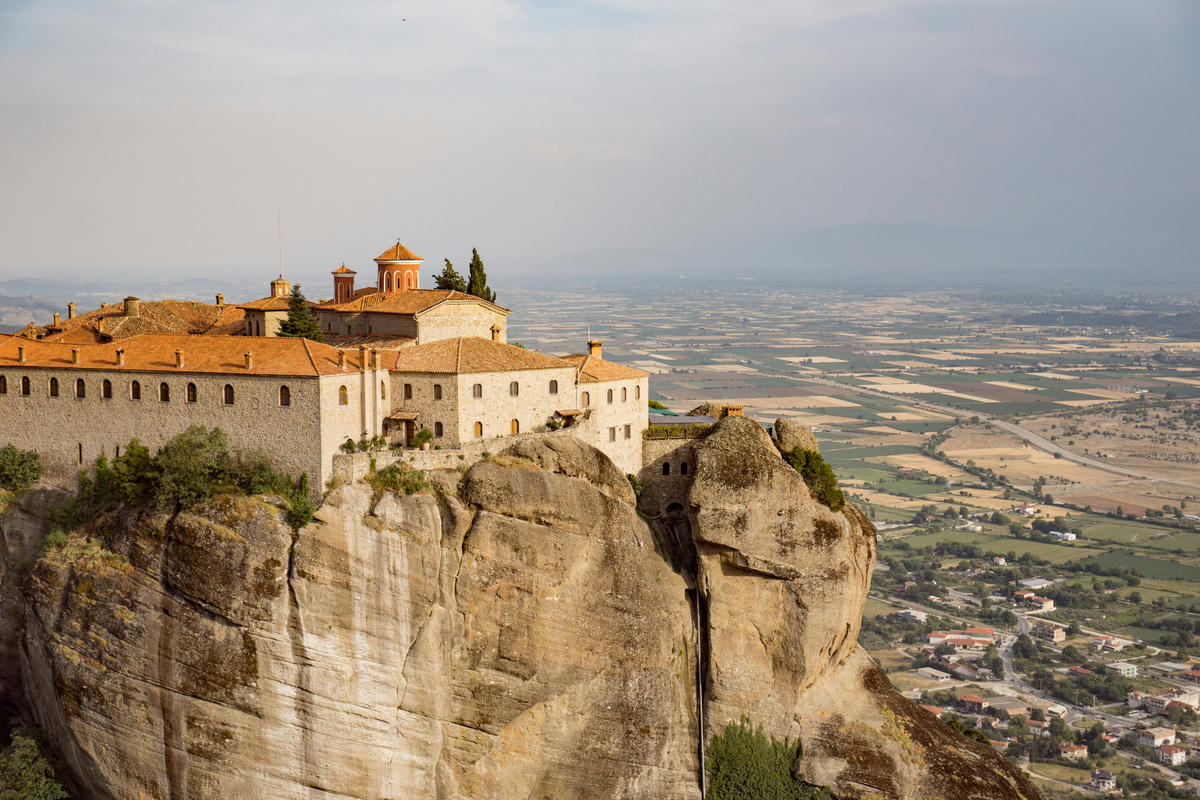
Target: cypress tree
x,y
301,322
450,278
478,281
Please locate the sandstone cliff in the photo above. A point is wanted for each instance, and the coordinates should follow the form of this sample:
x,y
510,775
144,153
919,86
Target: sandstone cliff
x,y
516,634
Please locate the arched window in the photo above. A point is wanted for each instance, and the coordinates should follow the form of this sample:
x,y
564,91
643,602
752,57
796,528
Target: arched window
x,y
553,387
191,393
408,391
343,396
106,389
437,429
637,393
477,390
478,429
387,281
624,394
25,386
164,393
135,391
683,468
285,396
80,388
437,391
610,395
587,399
3,385
514,427
54,387
514,389
666,468
228,394
382,390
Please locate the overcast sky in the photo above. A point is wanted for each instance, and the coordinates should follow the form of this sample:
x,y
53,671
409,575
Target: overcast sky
x,y
152,137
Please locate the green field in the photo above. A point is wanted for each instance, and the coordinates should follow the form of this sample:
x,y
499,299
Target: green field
x,y
1150,567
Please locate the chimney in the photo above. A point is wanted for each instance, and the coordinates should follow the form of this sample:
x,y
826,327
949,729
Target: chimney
x,y
734,410
495,333
595,347
374,358
57,319
249,361
179,359
74,355
120,356
133,307
220,299
20,354
70,311
362,357
342,359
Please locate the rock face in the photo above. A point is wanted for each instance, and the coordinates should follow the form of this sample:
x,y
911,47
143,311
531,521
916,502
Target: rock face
x,y
790,434
516,634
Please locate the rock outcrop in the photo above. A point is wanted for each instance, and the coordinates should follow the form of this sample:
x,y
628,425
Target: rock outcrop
x,y
516,633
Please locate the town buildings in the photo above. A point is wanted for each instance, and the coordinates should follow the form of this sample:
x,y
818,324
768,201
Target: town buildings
x,y
397,360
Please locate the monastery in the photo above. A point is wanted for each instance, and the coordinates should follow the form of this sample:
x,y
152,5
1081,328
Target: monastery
x,y
397,359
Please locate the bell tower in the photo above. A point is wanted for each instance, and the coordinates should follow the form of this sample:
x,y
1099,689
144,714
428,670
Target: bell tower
x,y
399,269
343,284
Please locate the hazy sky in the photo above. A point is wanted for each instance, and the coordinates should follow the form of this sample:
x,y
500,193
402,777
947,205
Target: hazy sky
x,y
154,137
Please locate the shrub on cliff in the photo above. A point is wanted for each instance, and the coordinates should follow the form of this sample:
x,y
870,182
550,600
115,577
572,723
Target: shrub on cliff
x,y
818,476
743,764
400,478
19,468
25,772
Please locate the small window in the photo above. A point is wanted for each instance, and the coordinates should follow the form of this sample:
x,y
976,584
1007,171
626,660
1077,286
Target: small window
x,y
25,386
612,434
553,387
624,394
228,394
191,393
106,389
437,391
343,396
54,387
637,393
249,328
666,468
514,427
628,431
164,393
408,391
3,385
437,429
80,388
477,390
586,399
683,468
285,396
382,390
135,391
514,389
478,429
610,395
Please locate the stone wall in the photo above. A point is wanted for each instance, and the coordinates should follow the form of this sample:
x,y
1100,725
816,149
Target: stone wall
x,y
664,488
616,427
71,432
460,318
532,407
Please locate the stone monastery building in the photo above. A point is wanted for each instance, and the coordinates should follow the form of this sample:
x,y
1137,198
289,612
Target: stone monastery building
x,y
396,359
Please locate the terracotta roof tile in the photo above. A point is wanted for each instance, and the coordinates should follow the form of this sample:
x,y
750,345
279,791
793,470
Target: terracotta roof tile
x,y
593,369
156,316
470,354
414,301
267,304
343,270
201,354
398,252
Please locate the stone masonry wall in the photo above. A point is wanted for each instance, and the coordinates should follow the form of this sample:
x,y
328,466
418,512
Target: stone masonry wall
x,y
460,318
616,427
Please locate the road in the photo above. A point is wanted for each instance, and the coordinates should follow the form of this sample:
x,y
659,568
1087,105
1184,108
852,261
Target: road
x,y
1029,436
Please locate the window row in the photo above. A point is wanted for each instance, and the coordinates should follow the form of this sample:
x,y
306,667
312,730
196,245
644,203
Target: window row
x,y
191,392
585,399
612,433
683,468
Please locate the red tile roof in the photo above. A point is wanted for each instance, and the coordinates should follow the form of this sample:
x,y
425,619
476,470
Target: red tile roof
x,y
593,369
398,252
470,354
343,270
156,316
412,302
201,354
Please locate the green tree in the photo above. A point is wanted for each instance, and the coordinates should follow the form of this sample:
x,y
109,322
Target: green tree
x,y
301,322
192,466
818,476
18,468
478,284
450,278
25,774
